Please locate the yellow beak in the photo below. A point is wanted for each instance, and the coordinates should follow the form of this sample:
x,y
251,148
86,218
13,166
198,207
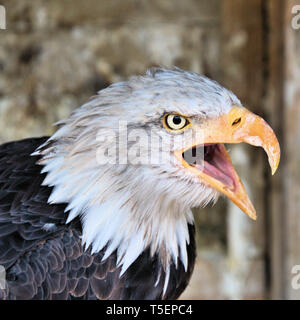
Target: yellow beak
x,y
239,125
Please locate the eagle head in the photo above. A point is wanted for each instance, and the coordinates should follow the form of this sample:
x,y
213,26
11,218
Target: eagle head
x,y
134,160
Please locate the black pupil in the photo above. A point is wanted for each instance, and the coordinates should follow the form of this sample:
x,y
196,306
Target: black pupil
x,y
177,120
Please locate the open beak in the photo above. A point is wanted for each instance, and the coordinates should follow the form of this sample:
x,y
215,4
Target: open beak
x,y
214,166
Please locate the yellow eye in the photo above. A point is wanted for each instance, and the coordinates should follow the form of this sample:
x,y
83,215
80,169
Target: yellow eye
x,y
175,122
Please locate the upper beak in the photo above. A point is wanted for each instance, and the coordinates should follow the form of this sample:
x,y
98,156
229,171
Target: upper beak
x,y
239,125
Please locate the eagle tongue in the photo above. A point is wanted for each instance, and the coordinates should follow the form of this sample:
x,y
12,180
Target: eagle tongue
x,y
218,167
217,174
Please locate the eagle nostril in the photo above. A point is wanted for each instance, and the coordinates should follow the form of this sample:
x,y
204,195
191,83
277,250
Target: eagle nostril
x,y
236,121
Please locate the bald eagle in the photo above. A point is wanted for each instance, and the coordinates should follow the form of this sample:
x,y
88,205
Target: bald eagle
x,y
102,208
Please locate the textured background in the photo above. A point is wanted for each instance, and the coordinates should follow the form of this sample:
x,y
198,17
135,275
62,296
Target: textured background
x,y
55,54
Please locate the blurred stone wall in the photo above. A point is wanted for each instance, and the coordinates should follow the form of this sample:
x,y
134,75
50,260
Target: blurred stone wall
x,y
55,54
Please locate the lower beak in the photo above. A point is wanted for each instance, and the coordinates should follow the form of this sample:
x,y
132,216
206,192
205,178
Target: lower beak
x,y
239,125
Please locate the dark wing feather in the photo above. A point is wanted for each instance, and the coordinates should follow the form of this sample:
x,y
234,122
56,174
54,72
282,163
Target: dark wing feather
x,y
23,201
54,271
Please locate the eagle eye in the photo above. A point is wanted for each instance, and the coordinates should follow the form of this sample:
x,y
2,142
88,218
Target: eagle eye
x,y
175,122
